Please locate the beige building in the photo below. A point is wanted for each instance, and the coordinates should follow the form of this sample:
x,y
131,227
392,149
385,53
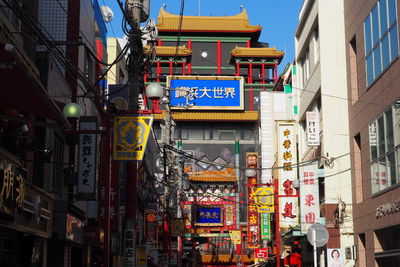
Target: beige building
x,y
320,86
118,73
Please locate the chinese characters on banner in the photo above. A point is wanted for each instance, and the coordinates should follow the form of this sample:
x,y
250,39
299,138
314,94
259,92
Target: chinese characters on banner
x,y
129,252
312,121
150,228
87,159
309,197
265,226
252,213
288,202
206,92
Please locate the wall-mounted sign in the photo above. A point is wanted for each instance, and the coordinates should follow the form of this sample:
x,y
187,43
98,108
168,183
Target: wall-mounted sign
x,y
74,229
87,168
129,248
265,226
288,202
388,208
236,237
206,92
312,121
12,188
309,197
264,198
209,216
130,136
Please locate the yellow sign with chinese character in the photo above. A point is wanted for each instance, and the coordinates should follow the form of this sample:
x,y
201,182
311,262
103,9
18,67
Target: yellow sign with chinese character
x,y
130,136
264,198
235,237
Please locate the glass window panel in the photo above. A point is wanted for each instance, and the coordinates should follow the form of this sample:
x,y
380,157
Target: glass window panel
x,y
398,164
391,169
367,34
396,122
373,141
207,134
377,61
226,135
370,71
374,178
389,130
394,48
248,134
375,25
184,134
392,11
381,136
383,175
383,16
385,52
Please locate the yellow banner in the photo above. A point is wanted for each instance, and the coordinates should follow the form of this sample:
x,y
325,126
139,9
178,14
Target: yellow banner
x,y
264,198
235,237
130,136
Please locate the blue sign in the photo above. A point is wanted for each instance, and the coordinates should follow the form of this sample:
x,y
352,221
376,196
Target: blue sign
x,y
205,92
209,216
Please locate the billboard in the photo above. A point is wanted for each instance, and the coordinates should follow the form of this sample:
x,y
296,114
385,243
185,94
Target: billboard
x,y
209,216
309,198
206,92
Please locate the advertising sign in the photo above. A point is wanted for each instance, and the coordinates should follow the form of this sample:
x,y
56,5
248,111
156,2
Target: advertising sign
x,y
129,246
309,198
312,121
206,92
335,257
87,168
236,237
130,136
264,198
209,216
265,226
261,253
288,202
74,229
252,212
150,227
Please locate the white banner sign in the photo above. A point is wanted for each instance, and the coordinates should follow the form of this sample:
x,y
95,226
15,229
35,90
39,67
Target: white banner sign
x,y
287,160
312,121
309,197
87,159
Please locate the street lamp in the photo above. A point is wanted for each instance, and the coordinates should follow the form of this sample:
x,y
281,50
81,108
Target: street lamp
x,y
154,92
72,110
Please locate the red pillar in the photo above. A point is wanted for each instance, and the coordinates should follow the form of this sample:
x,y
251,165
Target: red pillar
x,y
275,73
248,43
159,42
219,57
170,68
250,80
158,70
237,69
105,186
183,68
190,63
277,232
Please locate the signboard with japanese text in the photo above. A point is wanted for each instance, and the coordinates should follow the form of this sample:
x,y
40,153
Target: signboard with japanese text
x,y
252,212
12,188
236,237
130,136
87,153
261,253
206,92
129,248
209,216
150,227
288,201
309,197
264,198
265,226
312,121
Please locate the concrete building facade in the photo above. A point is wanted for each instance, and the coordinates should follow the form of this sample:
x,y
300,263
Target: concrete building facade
x,y
371,41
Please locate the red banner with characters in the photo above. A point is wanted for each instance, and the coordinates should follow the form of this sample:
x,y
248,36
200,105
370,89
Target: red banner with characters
x,y
252,213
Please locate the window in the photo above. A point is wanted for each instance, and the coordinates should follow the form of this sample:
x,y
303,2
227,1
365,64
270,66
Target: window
x,y
306,67
384,140
381,38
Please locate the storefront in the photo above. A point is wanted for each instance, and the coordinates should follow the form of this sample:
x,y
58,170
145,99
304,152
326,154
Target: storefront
x,y
25,217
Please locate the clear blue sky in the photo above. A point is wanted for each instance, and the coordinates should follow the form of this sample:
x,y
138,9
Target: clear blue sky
x,y
278,18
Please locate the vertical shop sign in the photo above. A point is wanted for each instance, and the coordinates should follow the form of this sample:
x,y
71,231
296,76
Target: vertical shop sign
x,y
265,226
312,121
87,168
309,197
150,227
252,213
129,254
288,201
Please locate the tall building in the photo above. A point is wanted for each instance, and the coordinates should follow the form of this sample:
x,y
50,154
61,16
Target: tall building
x,y
372,52
214,69
50,56
321,92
